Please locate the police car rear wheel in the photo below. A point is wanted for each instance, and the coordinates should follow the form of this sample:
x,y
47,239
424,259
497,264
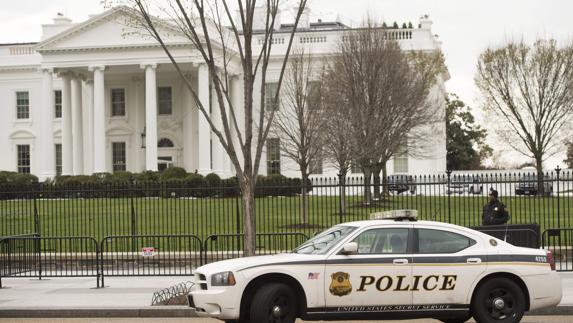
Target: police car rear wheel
x,y
274,303
498,300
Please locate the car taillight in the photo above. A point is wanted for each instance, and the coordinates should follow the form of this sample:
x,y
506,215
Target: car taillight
x,y
550,259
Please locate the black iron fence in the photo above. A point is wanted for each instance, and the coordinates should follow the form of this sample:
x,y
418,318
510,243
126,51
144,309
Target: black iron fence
x,y
179,208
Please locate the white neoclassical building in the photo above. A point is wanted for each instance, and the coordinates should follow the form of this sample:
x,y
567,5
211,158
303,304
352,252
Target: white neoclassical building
x,y
91,97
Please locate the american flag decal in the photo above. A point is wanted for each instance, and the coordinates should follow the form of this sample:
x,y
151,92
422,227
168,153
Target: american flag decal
x,y
313,276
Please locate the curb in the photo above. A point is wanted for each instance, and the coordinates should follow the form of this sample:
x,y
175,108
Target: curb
x,y
162,311
557,310
167,311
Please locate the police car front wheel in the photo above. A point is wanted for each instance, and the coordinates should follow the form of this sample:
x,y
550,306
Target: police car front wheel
x,y
498,300
274,303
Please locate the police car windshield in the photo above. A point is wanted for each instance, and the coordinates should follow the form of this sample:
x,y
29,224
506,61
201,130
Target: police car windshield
x,y
324,240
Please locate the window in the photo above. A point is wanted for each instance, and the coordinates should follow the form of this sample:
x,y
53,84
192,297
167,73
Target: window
x,y
401,161
23,152
58,159
313,94
117,102
383,241
164,162
164,100
22,105
118,156
270,94
438,241
355,168
165,143
315,166
58,103
273,156
321,243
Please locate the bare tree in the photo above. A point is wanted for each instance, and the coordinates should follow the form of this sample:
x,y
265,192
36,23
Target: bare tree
x,y
299,119
228,47
387,93
336,132
530,88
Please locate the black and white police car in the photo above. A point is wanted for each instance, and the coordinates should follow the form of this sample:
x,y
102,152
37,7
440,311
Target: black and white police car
x,y
391,268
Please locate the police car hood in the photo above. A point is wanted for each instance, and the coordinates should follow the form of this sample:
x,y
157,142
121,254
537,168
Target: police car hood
x,y
250,262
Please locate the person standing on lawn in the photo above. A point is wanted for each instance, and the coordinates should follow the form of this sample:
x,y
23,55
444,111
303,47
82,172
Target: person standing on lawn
x,y
494,212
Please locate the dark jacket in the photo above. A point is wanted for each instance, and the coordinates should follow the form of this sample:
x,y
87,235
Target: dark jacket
x,y
494,212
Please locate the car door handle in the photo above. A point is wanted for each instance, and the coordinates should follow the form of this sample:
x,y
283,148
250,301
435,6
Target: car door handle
x,y
400,261
474,261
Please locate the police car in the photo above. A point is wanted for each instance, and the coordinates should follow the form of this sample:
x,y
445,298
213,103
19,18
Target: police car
x,y
390,268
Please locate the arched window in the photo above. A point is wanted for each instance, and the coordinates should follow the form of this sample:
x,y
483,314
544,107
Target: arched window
x,y
165,143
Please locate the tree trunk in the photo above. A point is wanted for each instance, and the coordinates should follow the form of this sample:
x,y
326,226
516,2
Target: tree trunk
x,y
385,189
540,179
249,223
367,185
376,172
342,193
303,209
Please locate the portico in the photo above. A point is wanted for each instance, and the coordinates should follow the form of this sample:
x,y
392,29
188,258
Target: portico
x,y
117,110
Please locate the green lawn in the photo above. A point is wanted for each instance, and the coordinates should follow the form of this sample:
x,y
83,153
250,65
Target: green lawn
x,y
202,217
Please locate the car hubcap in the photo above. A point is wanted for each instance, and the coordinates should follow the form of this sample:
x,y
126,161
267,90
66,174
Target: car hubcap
x,y
277,311
499,304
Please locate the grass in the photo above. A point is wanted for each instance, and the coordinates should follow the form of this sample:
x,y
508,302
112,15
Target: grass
x,y
123,216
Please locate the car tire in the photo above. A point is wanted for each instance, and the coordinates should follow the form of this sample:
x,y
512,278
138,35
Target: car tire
x,y
274,302
498,300
460,320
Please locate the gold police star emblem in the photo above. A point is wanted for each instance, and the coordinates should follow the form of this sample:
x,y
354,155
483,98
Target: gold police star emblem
x,y
340,284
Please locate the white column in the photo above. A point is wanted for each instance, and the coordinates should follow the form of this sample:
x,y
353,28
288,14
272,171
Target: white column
x,y
204,151
88,130
139,161
77,129
189,113
150,117
99,120
46,139
67,150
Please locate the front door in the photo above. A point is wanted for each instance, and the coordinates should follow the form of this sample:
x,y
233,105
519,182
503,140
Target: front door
x,y
375,279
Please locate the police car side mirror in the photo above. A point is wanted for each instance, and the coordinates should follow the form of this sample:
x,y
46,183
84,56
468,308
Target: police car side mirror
x,y
349,248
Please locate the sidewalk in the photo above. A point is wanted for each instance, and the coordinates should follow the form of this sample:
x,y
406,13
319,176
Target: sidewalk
x,y
127,297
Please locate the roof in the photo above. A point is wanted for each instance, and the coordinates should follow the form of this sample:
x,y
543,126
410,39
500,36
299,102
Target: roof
x,y
18,44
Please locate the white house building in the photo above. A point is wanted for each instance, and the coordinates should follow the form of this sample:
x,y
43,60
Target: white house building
x,y
90,97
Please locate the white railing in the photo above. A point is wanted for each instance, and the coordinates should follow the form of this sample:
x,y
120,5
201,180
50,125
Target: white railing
x,y
21,50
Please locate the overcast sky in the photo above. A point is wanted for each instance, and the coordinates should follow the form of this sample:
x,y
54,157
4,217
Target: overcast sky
x,y
465,27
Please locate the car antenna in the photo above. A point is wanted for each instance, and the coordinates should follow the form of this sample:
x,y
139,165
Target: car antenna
x,y
436,213
506,227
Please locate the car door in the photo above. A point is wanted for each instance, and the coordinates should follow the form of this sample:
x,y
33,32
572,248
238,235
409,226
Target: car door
x,y
379,273
445,265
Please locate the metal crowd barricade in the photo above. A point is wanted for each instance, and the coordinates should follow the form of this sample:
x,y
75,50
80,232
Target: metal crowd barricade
x,y
35,256
226,246
149,255
560,242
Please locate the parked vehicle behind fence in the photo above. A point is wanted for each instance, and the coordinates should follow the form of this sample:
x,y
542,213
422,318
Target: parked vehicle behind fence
x,y
527,185
402,183
463,184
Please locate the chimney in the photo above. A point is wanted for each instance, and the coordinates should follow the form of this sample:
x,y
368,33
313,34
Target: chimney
x,y
260,18
61,23
304,22
425,22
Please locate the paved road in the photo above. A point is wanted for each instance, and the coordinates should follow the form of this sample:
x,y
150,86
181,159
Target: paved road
x,y
527,319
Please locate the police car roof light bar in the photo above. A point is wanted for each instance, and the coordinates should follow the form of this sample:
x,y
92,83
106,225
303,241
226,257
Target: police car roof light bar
x,y
396,215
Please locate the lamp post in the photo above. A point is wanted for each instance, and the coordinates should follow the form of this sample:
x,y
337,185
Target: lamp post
x,y
143,139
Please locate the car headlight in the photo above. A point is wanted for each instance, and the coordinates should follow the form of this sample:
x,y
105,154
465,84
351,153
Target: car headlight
x,y
223,279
